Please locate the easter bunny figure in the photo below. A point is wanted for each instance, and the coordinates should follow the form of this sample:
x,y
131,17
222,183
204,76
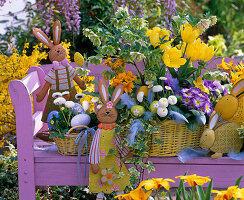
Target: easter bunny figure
x,y
231,108
59,78
104,167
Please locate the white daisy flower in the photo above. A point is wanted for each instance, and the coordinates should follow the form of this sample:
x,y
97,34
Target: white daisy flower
x,y
163,103
86,105
140,96
172,100
149,82
56,94
162,78
157,88
168,88
162,112
59,101
69,104
65,93
79,96
95,100
99,106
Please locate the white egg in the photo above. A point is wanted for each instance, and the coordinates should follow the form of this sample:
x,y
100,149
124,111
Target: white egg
x,y
81,119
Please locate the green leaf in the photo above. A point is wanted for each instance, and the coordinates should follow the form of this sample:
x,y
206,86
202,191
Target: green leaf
x,y
209,190
193,124
238,181
53,135
94,94
159,142
170,198
111,151
183,68
150,167
134,171
200,192
195,112
4,21
172,72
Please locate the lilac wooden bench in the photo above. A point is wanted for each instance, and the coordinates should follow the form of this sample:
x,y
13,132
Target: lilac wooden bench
x,y
50,168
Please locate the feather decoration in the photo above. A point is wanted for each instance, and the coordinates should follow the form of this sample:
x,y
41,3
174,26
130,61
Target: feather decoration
x,y
148,115
134,129
177,116
236,156
127,100
201,119
189,153
150,96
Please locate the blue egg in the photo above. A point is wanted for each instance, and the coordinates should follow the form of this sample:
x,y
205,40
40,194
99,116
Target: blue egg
x,y
78,109
81,119
50,116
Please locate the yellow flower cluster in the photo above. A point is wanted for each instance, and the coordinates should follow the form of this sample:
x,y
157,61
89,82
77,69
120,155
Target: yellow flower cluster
x,y
117,65
126,78
14,67
235,70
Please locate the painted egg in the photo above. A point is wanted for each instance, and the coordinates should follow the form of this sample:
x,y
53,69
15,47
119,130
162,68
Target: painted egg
x,y
137,110
49,118
143,89
153,107
79,59
80,119
78,109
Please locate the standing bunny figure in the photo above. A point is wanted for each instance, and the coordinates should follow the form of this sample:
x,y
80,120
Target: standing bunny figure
x,y
104,167
231,108
59,78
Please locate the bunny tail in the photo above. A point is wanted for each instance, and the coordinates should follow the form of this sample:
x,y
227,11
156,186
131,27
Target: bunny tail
x,y
201,119
127,100
189,153
134,129
148,115
236,156
177,116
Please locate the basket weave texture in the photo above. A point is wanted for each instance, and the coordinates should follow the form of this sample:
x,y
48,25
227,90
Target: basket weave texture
x,y
67,146
175,137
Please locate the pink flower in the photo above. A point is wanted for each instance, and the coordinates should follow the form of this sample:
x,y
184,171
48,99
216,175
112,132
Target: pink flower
x,y
114,143
118,161
100,183
109,104
102,153
115,187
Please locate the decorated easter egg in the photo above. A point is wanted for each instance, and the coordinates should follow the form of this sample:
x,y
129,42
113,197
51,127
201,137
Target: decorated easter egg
x,y
143,89
78,109
153,107
137,110
80,119
49,118
79,59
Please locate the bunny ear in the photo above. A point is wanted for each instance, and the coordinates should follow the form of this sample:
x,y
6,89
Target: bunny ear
x,y
118,91
213,120
238,86
42,37
56,32
103,91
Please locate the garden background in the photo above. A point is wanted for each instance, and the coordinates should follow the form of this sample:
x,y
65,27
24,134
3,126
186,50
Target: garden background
x,y
19,50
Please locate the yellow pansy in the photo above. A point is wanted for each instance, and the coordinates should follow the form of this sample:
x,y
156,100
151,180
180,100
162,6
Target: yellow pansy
x,y
155,34
139,194
194,180
156,183
193,50
199,84
189,34
173,58
207,52
225,194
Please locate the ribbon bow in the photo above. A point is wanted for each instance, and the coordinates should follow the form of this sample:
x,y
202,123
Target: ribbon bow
x,y
57,64
83,141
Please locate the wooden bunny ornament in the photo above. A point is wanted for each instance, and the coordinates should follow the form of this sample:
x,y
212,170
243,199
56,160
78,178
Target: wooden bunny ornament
x,y
59,78
231,108
104,167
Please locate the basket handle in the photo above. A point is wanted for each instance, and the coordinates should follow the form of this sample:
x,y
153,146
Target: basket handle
x,y
76,127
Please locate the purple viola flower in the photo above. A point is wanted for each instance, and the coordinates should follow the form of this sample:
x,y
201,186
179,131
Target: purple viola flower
x,y
225,91
186,101
198,101
208,108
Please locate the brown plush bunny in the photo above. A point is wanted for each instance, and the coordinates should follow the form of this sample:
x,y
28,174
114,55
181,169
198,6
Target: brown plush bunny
x,y
59,78
105,167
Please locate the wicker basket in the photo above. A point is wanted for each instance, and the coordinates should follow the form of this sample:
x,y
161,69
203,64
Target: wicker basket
x,y
175,137
67,146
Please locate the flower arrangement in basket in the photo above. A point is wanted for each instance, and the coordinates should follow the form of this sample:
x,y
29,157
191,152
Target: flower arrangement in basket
x,y
167,101
71,120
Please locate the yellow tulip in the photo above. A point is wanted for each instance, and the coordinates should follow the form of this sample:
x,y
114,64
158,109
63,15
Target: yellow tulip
x,y
156,183
193,50
139,194
181,47
155,34
123,196
239,193
173,58
189,34
207,52
225,194
194,180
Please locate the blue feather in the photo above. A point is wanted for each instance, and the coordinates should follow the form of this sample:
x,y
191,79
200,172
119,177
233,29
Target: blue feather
x,y
134,129
189,153
148,115
177,116
201,119
150,96
236,156
127,100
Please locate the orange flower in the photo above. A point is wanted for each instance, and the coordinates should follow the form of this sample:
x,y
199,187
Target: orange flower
x,y
194,180
156,183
